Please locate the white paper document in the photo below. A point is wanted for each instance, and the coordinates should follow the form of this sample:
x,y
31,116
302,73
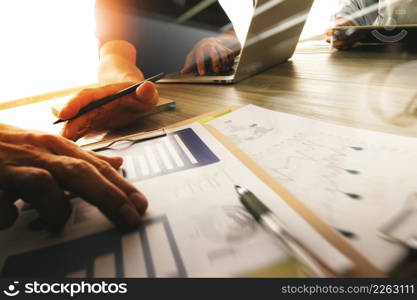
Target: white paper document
x,y
195,225
353,179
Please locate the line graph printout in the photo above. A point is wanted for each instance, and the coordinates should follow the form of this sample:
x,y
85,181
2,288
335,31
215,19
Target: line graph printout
x,y
353,179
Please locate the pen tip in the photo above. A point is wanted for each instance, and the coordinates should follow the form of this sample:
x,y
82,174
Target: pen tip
x,y
240,190
58,121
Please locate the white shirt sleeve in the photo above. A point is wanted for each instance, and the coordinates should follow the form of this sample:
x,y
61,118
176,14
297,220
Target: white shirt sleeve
x,y
361,12
394,12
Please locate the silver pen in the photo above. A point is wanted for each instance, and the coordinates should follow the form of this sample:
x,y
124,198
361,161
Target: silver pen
x,y
270,222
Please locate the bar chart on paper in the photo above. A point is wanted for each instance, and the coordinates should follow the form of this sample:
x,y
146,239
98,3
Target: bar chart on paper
x,y
178,151
151,251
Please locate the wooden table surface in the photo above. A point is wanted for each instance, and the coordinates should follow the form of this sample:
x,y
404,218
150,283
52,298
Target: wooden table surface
x,y
366,89
370,89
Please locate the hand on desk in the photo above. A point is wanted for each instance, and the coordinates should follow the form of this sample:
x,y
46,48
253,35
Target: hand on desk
x,y
341,41
214,54
114,115
38,167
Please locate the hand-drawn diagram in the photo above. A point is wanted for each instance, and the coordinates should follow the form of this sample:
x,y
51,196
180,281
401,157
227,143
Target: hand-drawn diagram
x,y
344,175
239,134
285,158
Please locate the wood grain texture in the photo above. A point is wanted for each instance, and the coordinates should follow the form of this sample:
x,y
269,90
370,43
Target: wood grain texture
x,y
372,90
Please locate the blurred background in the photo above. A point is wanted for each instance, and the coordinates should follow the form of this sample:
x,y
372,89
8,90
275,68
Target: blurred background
x,y
50,45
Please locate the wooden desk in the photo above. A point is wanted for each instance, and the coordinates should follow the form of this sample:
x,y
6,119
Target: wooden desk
x,y
366,89
371,90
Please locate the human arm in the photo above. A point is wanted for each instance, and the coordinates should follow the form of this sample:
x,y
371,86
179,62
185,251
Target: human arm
x,y
39,168
351,13
117,70
359,12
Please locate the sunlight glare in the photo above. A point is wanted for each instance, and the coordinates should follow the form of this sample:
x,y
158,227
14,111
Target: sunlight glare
x,y
47,45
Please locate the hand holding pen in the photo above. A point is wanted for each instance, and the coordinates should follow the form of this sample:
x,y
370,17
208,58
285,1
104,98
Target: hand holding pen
x,y
108,107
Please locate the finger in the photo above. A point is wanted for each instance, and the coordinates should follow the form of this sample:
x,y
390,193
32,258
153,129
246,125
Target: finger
x,y
81,99
57,145
75,129
80,177
71,150
215,60
145,98
148,95
228,65
115,114
342,44
8,211
201,62
84,179
189,63
134,196
328,35
345,35
38,187
231,56
115,161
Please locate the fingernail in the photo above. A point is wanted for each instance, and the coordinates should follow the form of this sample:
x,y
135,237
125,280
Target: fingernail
x,y
140,202
127,217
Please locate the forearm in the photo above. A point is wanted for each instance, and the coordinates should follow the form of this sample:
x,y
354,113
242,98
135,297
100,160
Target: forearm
x,y
354,10
118,62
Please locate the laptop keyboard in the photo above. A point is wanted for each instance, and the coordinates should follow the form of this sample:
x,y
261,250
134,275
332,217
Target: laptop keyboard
x,y
208,73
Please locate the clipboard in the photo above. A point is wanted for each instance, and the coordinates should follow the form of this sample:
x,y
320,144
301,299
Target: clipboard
x,y
362,266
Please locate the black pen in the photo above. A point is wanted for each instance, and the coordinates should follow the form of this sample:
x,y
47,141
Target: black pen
x,y
270,222
105,100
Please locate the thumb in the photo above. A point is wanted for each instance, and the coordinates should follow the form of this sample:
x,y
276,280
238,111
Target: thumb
x,y
146,97
81,99
147,93
115,161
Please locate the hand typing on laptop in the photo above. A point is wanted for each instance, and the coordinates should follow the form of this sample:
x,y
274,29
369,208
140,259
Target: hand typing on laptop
x,y
214,54
117,71
38,168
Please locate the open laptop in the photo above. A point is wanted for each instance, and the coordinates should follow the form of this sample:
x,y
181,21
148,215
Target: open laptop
x,y
273,35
